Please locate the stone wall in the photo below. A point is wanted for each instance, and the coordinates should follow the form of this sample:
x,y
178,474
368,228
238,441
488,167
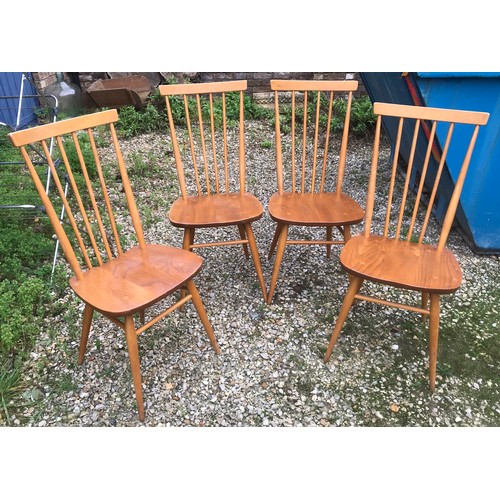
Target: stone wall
x,y
258,82
43,80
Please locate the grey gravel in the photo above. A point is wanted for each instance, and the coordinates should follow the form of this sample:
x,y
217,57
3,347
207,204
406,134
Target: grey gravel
x,y
270,371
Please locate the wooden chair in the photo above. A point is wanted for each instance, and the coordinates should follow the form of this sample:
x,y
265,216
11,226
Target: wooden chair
x,y
313,201
400,257
216,195
118,283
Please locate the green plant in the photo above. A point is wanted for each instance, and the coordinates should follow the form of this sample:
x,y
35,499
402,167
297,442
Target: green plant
x,y
20,302
133,121
8,153
9,380
154,115
87,154
362,120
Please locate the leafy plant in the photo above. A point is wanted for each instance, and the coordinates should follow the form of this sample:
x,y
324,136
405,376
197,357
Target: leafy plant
x,y
153,116
9,379
133,121
362,119
87,154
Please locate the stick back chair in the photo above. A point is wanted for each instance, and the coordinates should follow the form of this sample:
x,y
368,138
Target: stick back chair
x,y
213,192
116,282
310,190
401,255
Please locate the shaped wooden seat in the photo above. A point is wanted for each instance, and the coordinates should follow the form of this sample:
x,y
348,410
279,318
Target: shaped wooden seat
x,y
116,283
136,280
307,197
399,256
314,209
403,264
215,211
216,195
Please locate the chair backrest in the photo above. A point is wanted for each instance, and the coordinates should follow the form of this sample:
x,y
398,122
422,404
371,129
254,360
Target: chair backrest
x,y
422,125
208,148
93,227
310,105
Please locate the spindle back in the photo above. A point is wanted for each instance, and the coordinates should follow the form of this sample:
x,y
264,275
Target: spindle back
x,y
212,155
311,112
91,235
403,219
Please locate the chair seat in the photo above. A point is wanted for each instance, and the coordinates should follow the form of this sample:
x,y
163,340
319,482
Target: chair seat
x,y
314,209
402,264
136,279
215,210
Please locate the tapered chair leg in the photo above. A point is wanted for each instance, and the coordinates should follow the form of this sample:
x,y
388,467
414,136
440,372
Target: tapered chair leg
x,y
425,301
277,261
200,309
275,240
353,289
241,229
187,241
256,258
133,353
188,238
88,313
329,231
433,339
347,233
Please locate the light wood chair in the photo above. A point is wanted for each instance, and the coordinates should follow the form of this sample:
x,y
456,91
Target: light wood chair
x,y
399,256
116,282
307,197
216,195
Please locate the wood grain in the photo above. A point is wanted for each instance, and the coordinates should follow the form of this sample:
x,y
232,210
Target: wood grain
x,y
315,85
213,211
202,88
429,269
136,279
130,281
213,207
40,133
429,113
402,264
314,209
305,202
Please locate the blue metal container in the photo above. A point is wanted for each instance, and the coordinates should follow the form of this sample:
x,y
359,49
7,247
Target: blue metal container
x,y
18,100
478,215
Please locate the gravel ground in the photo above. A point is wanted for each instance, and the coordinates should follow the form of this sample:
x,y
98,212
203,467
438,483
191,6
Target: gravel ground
x,y
270,371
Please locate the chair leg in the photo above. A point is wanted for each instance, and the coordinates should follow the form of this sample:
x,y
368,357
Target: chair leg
x,y
188,238
241,229
275,240
347,233
329,231
198,305
187,241
88,314
256,259
277,261
425,301
353,289
433,339
133,353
